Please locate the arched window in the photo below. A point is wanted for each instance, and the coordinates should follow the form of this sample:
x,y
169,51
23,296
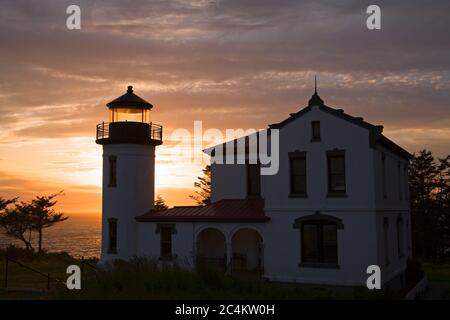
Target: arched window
x,y
318,238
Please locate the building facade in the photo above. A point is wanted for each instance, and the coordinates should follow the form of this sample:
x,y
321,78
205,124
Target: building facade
x,y
338,203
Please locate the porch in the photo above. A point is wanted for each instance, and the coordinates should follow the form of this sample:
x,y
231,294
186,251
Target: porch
x,y
241,254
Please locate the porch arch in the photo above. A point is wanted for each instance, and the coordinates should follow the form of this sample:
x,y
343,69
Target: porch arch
x,y
211,248
247,251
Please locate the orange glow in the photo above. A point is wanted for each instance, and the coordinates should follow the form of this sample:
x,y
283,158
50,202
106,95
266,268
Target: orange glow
x,y
43,166
129,114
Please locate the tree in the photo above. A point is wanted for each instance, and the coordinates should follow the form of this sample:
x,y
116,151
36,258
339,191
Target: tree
x,y
430,205
17,222
160,203
203,194
44,216
4,203
443,204
25,218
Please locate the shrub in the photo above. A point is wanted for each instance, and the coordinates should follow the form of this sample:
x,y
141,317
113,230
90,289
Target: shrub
x,y
15,252
22,254
414,271
143,278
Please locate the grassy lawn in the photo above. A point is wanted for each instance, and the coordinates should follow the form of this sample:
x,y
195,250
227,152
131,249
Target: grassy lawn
x,y
439,276
145,279
22,279
437,272
19,277
142,279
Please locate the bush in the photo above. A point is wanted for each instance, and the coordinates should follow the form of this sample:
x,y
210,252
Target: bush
x,y
22,254
15,252
414,271
143,278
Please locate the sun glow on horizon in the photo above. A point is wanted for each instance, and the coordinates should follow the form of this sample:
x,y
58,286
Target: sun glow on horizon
x,y
74,165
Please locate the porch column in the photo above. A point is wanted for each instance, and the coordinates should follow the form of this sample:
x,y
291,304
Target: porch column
x,y
229,254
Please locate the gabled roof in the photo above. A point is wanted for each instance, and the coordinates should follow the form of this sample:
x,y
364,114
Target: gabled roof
x,y
336,112
375,131
129,99
317,101
226,210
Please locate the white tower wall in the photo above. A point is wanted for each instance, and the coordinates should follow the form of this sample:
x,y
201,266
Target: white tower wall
x,y
133,195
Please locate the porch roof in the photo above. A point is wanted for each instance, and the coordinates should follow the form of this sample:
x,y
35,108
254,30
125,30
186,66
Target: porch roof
x,y
226,210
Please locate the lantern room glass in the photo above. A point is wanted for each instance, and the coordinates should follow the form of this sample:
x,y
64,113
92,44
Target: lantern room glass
x,y
125,114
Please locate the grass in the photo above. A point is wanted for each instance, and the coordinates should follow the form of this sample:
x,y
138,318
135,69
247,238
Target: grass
x,y
20,277
439,276
21,280
146,279
437,272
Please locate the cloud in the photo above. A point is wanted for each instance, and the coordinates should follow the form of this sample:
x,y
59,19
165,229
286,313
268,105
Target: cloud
x,y
229,63
76,198
56,130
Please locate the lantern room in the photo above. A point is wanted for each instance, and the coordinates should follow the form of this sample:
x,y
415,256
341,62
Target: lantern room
x,y
129,122
129,107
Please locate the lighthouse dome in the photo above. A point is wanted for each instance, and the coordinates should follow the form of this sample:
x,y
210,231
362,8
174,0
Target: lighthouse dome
x,y
129,100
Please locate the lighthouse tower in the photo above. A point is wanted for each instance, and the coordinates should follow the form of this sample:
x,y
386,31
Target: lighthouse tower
x,y
129,142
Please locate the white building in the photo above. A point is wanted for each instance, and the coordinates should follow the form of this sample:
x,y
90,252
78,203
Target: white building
x,y
338,204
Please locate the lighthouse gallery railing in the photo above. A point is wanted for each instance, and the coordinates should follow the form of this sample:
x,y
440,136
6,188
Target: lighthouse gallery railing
x,y
103,131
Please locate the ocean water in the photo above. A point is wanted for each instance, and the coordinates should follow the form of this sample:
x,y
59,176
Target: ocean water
x,y
80,235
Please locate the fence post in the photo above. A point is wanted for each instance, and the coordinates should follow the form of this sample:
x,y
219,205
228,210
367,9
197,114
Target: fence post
x,y
48,281
6,272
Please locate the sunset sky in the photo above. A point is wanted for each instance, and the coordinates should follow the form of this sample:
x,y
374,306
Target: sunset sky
x,y
229,63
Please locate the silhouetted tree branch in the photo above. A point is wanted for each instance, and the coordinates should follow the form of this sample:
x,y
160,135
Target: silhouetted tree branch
x,y
160,203
429,181
44,216
17,222
24,218
203,194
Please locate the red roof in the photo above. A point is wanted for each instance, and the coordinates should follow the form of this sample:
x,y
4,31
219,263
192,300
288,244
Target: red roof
x,y
226,210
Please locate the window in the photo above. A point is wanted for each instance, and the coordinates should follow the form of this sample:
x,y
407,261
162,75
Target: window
x,y
408,237
166,242
336,173
112,235
297,173
319,242
315,127
400,236
383,175
386,240
129,114
399,180
253,180
405,180
112,171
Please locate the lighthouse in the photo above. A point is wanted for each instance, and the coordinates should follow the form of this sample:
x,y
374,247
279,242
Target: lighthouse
x,y
129,140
